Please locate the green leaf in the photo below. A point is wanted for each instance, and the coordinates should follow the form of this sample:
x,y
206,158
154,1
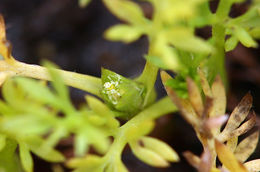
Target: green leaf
x,y
84,3
148,156
81,144
244,37
184,39
2,141
26,158
161,148
231,43
35,145
126,10
124,33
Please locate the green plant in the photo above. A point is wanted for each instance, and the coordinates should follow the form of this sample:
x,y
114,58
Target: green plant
x,y
46,114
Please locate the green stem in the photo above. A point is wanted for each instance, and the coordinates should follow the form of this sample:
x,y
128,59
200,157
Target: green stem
x,y
152,112
218,35
84,82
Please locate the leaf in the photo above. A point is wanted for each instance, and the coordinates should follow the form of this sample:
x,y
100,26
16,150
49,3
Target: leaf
x,y
148,156
101,109
239,113
244,37
193,160
232,143
2,141
81,144
253,165
204,83
219,96
26,158
84,3
183,39
246,147
231,43
228,159
34,143
195,96
161,148
126,10
124,33
239,131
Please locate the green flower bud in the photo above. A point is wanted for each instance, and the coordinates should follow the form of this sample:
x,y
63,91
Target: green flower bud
x,y
122,94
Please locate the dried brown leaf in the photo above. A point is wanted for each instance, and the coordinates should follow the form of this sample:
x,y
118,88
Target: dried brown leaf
x,y
253,166
237,116
219,96
2,28
193,160
246,147
183,105
195,96
204,83
228,159
232,143
225,135
205,161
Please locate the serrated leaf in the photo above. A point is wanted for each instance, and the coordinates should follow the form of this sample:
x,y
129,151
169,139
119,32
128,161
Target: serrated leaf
x,y
126,10
228,159
246,147
124,33
26,158
231,43
161,148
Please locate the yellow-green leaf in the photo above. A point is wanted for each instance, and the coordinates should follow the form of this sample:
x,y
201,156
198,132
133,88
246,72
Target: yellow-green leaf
x,y
26,157
124,33
126,10
161,148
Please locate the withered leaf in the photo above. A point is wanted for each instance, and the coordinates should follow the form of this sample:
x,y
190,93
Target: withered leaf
x,y
253,166
193,160
219,95
204,83
247,146
195,96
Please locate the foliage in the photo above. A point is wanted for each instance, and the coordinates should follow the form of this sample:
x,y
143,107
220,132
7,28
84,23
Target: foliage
x,y
35,116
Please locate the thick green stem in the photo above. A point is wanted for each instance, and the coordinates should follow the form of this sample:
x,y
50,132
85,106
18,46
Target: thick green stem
x,y
218,35
84,82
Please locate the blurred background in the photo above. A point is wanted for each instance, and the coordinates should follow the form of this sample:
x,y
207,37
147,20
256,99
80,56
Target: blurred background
x,y
72,37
